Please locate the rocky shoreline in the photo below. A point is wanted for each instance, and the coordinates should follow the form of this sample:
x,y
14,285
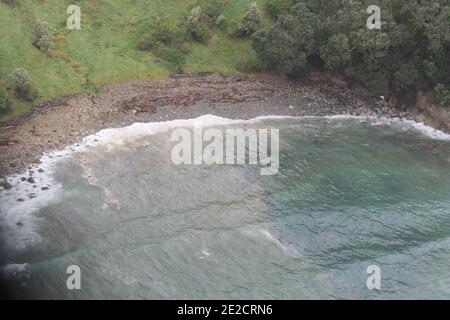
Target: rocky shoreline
x,y
66,120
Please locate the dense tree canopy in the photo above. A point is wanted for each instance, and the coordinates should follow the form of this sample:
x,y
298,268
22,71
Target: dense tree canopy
x,y
410,52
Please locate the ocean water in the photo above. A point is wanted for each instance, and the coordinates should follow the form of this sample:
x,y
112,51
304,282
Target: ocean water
x,y
350,193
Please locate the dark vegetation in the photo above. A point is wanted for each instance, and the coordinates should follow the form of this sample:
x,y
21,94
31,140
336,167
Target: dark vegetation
x,y
122,40
410,53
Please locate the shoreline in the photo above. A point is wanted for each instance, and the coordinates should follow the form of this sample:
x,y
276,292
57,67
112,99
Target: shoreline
x,y
64,121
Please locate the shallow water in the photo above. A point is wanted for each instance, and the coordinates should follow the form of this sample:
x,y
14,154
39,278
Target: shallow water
x,y
350,193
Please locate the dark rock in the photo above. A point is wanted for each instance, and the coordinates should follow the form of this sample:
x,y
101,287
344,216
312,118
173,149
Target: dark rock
x,y
44,188
30,180
23,179
20,224
6,185
40,170
20,200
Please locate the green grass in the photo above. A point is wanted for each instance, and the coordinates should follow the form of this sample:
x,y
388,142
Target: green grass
x,y
105,50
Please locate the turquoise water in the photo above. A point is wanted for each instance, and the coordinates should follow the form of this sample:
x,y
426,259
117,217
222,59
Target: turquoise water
x,y
350,193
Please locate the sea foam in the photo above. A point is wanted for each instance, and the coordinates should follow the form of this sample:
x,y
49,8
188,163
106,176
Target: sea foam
x,y
17,221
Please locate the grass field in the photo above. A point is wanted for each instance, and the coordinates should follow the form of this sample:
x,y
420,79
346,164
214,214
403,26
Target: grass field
x,y
105,50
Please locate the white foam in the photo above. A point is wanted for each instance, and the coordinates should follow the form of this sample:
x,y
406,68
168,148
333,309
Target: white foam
x,y
14,270
404,123
17,222
13,213
428,131
119,136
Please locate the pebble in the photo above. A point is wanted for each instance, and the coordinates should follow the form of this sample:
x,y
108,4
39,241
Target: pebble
x,y
6,185
318,100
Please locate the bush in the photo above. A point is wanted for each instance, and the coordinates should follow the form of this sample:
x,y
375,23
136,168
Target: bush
x,y
406,76
197,25
221,20
20,78
337,52
4,106
251,21
277,8
201,34
43,38
443,94
23,85
212,10
377,83
168,42
287,45
194,20
175,58
166,33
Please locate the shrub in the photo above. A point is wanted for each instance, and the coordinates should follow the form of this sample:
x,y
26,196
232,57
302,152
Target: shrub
x,y
202,18
23,85
212,10
221,20
202,34
197,25
377,83
166,33
443,94
175,58
336,52
168,42
194,20
245,64
287,45
3,100
406,76
277,8
20,78
251,21
43,38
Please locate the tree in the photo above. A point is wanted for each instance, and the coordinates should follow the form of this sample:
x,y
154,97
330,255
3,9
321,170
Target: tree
x,y
23,85
43,38
277,8
251,21
336,52
411,52
287,44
